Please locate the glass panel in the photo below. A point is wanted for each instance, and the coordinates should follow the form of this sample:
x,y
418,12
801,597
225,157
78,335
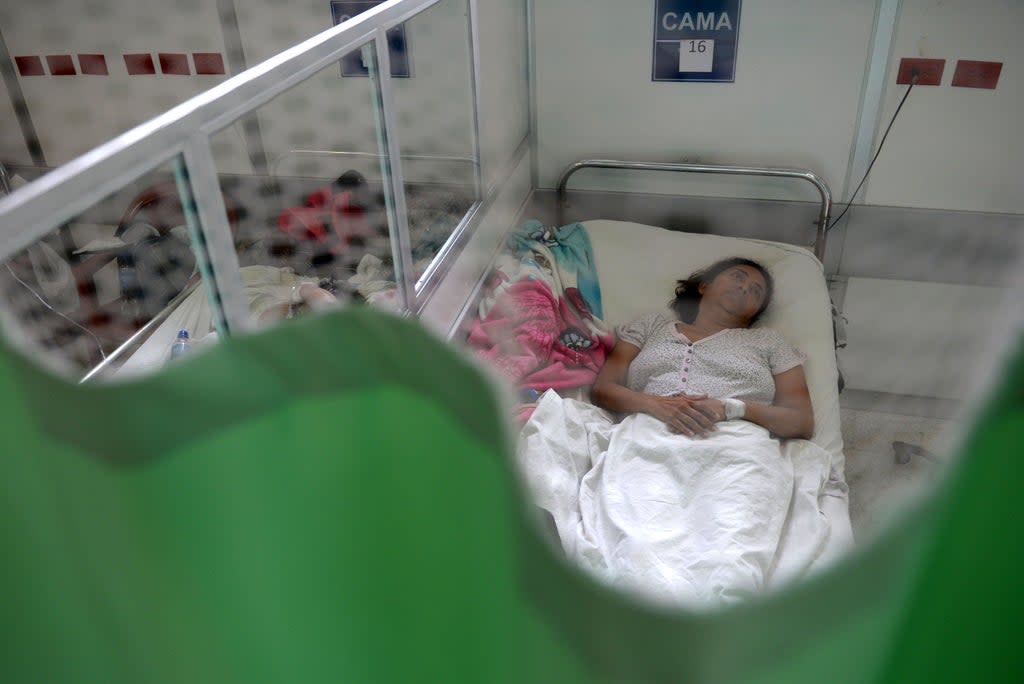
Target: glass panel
x,y
118,270
504,84
312,228
435,125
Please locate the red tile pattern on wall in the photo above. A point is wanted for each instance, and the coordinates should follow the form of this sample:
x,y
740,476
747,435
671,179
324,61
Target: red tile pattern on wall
x,y
137,64
208,62
175,63
95,65
30,65
973,74
61,65
140,64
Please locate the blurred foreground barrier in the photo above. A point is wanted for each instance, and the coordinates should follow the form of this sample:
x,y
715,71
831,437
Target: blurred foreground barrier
x,y
333,502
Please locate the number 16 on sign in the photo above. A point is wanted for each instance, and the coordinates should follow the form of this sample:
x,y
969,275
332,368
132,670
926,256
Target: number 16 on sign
x,y
696,55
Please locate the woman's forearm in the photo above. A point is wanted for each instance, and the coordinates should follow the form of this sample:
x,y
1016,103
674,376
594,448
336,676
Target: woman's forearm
x,y
781,421
620,399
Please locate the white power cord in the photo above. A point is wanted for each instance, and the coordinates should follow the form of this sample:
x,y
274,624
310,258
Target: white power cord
x,y
99,345
6,186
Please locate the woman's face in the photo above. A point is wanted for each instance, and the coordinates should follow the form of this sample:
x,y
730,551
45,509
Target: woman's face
x,y
739,290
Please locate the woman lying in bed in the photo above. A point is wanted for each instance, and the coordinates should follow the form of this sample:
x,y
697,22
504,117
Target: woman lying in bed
x,y
690,497
705,364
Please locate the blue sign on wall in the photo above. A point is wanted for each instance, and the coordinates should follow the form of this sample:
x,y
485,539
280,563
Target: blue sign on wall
x,y
695,40
398,46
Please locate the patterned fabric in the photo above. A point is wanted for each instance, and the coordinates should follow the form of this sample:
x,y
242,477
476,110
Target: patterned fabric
x,y
536,322
736,362
328,217
537,340
570,246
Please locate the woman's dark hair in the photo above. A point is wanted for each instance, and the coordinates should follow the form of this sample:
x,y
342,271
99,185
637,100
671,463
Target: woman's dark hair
x,y
688,294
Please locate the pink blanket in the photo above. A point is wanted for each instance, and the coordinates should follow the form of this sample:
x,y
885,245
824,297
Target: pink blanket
x,y
536,328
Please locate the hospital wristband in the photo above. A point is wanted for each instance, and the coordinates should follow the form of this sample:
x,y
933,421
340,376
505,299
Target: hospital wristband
x,y
734,408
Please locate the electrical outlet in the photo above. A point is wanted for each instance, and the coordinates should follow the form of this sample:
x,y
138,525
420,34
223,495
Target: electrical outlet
x,y
929,71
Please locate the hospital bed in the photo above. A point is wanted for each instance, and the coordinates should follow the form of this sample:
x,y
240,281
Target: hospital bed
x,y
638,265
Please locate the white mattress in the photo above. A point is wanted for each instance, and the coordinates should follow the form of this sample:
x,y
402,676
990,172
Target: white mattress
x,y
638,267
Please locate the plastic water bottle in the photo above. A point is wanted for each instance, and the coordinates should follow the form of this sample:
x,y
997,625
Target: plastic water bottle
x,y
181,344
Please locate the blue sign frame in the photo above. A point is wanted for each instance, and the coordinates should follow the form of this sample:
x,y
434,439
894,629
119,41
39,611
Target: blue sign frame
x,y
398,45
695,40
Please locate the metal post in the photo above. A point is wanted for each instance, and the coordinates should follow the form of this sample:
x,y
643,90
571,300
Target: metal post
x,y
871,96
391,170
210,232
474,80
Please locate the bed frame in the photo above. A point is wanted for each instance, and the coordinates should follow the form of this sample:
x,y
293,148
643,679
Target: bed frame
x,y
799,174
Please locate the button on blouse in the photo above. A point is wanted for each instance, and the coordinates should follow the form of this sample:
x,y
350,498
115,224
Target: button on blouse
x,y
737,362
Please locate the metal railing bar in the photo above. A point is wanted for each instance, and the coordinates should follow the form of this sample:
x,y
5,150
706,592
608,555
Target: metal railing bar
x,y
365,155
780,172
474,80
397,210
212,240
5,180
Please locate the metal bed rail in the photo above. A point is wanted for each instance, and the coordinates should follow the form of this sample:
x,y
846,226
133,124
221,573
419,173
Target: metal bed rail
x,y
820,239
275,165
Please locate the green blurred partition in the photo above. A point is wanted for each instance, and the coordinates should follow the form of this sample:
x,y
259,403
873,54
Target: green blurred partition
x,y
333,501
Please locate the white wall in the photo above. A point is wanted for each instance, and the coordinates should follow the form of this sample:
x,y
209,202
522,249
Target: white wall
x,y
797,91
800,65
73,114
956,148
329,112
799,79
13,149
433,108
504,84
921,339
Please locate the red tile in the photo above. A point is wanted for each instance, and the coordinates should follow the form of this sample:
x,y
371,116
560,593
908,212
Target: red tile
x,y
175,63
972,74
30,65
139,64
61,65
208,62
95,65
